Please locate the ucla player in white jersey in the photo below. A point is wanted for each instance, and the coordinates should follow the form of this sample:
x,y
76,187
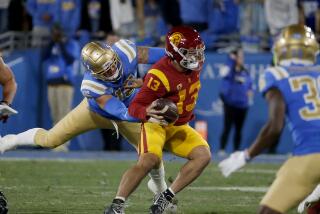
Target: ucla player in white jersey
x,y
292,90
108,86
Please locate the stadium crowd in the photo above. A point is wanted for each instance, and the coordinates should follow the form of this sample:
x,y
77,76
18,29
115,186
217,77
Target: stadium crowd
x,y
220,22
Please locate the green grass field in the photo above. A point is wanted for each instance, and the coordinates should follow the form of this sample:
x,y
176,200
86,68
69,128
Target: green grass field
x,y
37,186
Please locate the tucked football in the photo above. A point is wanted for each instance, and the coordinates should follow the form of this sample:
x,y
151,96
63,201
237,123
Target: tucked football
x,y
169,109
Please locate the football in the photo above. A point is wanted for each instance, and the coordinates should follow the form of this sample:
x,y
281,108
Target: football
x,y
169,109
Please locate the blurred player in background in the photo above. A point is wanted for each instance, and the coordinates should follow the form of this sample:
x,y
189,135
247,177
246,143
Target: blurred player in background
x,y
9,89
109,85
175,77
292,90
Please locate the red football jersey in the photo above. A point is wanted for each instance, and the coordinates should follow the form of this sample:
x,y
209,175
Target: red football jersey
x,y
163,80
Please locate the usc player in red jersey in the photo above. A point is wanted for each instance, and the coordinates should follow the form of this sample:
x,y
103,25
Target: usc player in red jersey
x,y
175,77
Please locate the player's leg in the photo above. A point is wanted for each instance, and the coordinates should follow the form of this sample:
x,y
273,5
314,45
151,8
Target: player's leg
x,y
185,142
296,179
79,120
65,93
131,132
150,150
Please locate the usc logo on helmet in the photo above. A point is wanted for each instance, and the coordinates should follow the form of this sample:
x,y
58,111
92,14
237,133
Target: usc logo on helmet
x,y
176,38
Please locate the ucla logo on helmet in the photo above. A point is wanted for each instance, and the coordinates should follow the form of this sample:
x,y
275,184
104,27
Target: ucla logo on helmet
x,y
176,38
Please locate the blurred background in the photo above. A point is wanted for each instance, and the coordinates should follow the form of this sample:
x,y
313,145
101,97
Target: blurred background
x,y
29,28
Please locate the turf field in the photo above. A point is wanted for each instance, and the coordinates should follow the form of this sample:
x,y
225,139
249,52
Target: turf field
x,y
86,186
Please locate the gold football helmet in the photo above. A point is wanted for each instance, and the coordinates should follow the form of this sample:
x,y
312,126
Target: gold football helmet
x,y
296,42
102,61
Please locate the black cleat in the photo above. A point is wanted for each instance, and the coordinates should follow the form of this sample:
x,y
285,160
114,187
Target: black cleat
x,y
3,204
115,208
160,203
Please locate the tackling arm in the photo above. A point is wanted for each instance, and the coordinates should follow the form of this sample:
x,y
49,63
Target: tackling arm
x,y
115,107
148,55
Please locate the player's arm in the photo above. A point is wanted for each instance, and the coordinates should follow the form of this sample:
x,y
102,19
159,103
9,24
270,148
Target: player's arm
x,y
152,89
272,129
149,55
8,82
267,136
103,96
115,107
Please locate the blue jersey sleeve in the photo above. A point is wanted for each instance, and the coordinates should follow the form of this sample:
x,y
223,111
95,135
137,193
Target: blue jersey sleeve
x,y
126,48
270,78
92,88
117,108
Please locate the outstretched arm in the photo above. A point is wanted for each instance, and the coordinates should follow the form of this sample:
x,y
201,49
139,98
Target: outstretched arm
x,y
269,134
149,55
271,131
115,107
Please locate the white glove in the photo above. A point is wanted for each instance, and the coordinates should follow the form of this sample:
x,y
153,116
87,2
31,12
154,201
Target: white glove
x,y
7,110
236,161
313,197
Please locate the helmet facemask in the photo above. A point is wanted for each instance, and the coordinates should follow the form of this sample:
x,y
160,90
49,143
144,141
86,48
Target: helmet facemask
x,y
192,59
102,61
111,70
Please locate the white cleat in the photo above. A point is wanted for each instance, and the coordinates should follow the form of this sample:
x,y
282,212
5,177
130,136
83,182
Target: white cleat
x,y
308,201
172,207
8,142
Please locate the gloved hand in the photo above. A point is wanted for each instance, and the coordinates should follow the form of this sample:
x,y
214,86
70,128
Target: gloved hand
x,y
6,111
236,161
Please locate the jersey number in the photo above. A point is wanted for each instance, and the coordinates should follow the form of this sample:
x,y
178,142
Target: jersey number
x,y
312,96
193,93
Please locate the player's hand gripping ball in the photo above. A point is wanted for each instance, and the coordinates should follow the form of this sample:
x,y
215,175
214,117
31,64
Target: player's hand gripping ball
x,y
167,109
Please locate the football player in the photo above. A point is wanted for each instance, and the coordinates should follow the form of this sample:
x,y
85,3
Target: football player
x,y
292,90
109,85
175,77
9,89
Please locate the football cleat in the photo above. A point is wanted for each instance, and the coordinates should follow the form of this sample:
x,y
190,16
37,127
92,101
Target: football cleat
x,y
8,142
3,204
115,208
172,207
160,203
